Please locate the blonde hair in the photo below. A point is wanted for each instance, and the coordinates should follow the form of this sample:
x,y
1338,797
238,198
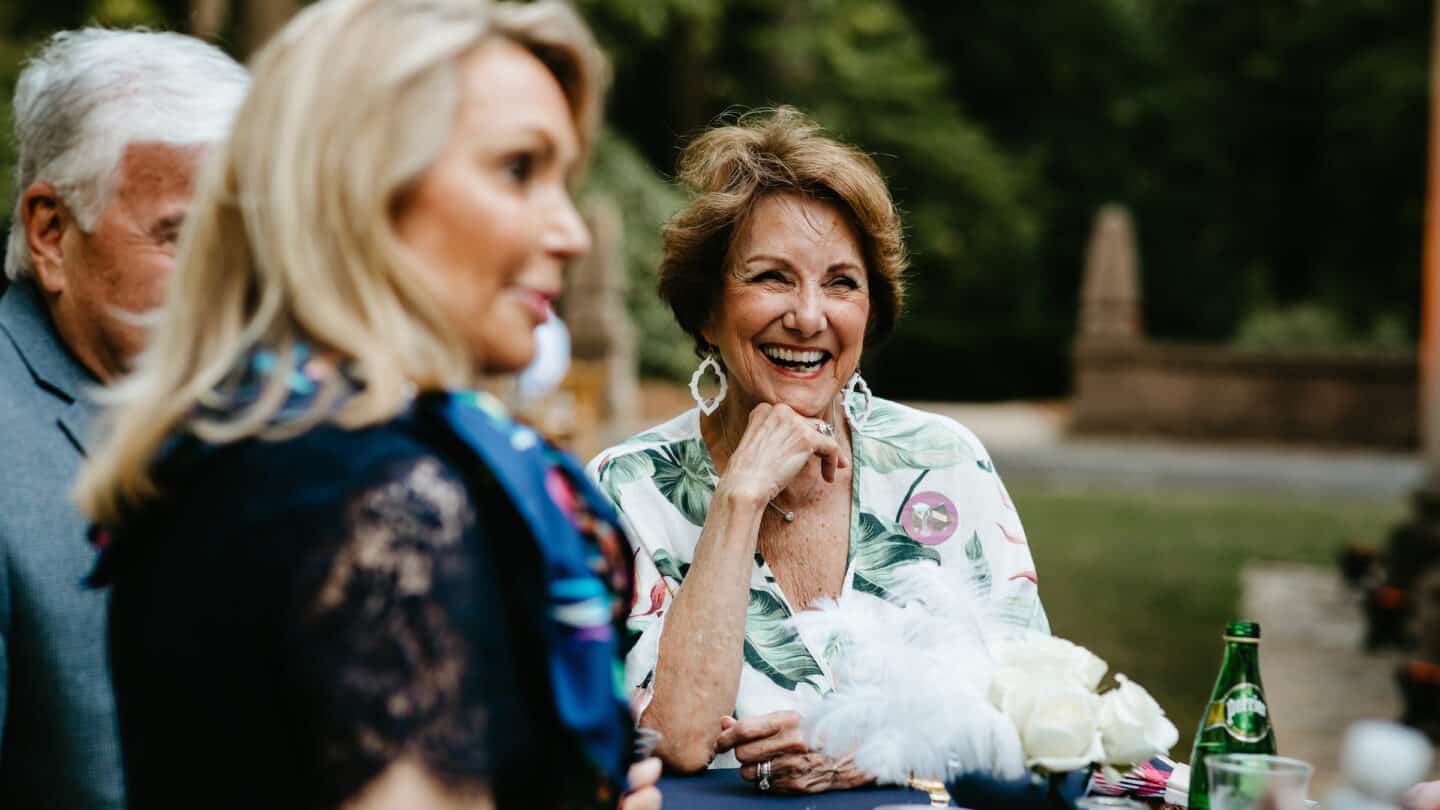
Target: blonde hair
x,y
290,240
729,168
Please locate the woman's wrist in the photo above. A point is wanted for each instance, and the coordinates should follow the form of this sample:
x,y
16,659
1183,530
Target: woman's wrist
x,y
738,497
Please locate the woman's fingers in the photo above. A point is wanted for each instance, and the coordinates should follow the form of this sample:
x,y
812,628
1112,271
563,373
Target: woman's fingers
x,y
644,773
1424,796
761,728
755,728
775,745
775,738
778,443
828,463
643,795
726,740
646,799
824,447
794,773
766,725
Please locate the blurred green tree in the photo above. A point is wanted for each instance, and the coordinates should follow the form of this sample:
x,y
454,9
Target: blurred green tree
x,y
862,69
1273,154
1315,115
646,200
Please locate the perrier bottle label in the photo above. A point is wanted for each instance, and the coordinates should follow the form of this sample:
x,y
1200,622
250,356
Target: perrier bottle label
x,y
1241,712
1237,718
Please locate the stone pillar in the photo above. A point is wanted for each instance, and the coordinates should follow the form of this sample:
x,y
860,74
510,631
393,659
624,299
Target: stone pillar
x,y
1110,291
604,372
1109,332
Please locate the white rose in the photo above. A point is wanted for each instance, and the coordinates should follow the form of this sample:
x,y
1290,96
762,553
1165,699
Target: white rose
x,y
1061,733
1057,719
1133,727
1014,692
1049,655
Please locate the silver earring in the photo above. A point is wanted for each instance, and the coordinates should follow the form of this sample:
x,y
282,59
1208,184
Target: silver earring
x,y
857,420
708,406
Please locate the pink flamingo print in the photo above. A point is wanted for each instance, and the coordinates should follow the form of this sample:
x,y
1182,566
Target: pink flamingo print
x,y
657,600
1004,496
1018,540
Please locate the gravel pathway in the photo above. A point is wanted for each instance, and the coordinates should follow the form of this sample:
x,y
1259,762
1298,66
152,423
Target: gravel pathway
x,y
1028,442
1318,678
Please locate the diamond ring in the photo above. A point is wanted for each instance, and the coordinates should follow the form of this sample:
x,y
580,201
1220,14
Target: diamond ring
x,y
825,429
764,773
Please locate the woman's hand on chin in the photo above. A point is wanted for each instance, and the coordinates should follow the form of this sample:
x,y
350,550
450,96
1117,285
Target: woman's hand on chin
x,y
776,446
794,768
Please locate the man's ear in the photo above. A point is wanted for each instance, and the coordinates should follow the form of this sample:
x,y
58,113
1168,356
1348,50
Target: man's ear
x,y
44,217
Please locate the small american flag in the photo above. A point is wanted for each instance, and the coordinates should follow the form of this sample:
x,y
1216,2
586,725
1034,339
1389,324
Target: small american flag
x,y
1146,780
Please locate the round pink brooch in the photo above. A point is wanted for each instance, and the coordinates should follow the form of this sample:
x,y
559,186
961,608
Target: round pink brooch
x,y
929,518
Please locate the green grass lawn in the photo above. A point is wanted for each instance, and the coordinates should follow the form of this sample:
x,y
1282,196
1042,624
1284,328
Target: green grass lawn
x,y
1147,581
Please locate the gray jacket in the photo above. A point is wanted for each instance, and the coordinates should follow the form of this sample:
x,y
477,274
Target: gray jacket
x,y
59,747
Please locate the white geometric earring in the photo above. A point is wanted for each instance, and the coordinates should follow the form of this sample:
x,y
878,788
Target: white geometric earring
x,y
857,421
708,406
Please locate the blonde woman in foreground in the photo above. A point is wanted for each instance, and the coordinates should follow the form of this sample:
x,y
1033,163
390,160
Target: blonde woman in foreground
x,y
339,579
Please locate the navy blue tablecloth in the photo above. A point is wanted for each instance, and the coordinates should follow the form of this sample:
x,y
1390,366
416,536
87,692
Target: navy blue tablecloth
x,y
723,789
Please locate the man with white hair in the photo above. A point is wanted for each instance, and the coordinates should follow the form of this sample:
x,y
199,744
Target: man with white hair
x,y
111,126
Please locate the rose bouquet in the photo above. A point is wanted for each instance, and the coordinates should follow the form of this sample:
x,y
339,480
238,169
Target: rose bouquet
x,y
1048,687
929,685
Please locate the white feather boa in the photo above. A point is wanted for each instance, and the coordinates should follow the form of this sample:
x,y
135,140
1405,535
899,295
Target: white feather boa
x,y
911,681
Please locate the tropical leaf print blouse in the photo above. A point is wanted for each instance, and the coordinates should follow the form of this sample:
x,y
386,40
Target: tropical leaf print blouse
x,y
924,490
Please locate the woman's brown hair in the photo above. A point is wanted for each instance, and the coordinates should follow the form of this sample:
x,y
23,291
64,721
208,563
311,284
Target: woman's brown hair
x,y
730,168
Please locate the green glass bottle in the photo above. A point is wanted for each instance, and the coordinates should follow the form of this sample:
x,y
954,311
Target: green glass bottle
x,y
1237,718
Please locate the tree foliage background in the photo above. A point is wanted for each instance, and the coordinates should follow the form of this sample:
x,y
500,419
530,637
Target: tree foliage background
x,y
1273,154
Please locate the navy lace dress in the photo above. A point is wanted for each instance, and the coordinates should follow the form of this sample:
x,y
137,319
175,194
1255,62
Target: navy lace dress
x,y
292,616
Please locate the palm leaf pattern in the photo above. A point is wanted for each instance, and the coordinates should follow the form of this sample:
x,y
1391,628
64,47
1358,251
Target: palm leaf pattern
x,y
1023,610
880,548
668,566
772,646
623,468
685,475
900,452
979,565
895,440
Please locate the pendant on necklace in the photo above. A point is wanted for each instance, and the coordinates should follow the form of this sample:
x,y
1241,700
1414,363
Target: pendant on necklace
x,y
784,513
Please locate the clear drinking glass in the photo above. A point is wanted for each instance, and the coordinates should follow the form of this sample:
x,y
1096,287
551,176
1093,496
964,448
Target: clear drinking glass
x,y
1257,782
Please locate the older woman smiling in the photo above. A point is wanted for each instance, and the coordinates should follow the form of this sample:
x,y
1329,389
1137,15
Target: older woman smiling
x,y
792,483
